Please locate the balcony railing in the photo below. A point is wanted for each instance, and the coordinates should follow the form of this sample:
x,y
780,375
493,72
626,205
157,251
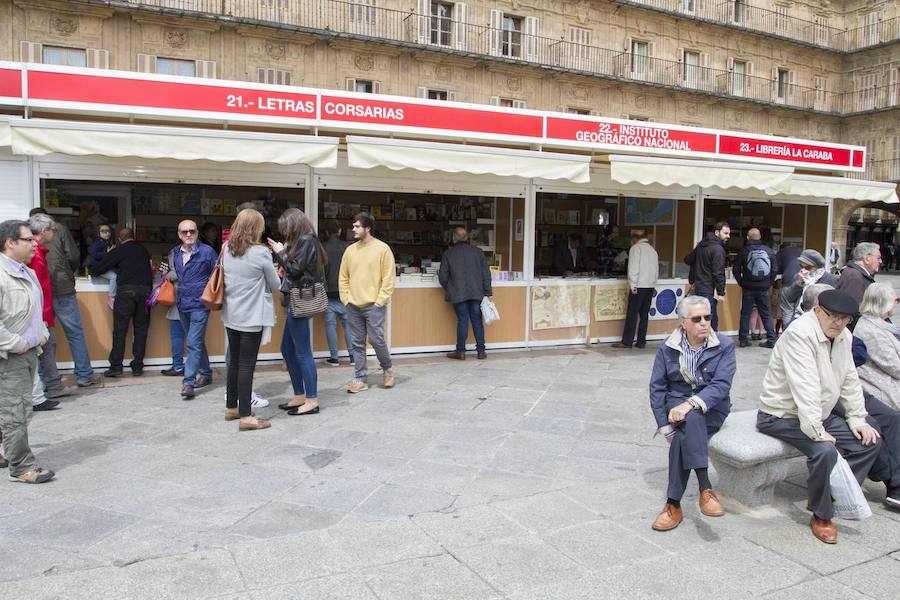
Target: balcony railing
x,y
350,19
775,23
880,170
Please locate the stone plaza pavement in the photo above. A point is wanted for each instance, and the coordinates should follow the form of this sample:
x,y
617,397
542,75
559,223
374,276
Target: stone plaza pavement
x,y
531,475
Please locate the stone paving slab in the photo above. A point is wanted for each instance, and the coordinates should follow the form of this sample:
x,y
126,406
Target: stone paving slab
x,y
532,475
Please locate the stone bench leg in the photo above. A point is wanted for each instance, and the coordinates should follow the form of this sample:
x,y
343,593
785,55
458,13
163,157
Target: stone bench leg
x,y
752,485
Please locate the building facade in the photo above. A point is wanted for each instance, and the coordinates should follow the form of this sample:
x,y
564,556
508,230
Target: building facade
x,y
821,70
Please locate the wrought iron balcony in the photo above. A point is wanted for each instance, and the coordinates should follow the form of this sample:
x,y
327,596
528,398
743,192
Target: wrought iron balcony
x,y
880,170
362,21
774,23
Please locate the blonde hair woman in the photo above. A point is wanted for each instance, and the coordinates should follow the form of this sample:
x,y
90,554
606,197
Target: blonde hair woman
x,y
247,310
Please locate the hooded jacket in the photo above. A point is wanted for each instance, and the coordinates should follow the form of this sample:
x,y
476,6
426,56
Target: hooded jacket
x,y
707,263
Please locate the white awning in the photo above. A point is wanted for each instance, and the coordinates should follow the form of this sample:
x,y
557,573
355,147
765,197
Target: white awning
x,y
369,152
37,137
839,187
648,170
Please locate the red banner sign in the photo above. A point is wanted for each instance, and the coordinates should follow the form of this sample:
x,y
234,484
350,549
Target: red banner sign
x,y
104,91
11,84
807,152
636,135
393,113
120,92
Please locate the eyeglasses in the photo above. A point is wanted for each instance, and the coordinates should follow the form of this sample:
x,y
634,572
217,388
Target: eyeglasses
x,y
836,318
188,231
699,318
28,239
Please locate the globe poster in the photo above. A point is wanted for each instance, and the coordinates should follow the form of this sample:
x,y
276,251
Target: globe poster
x,y
665,299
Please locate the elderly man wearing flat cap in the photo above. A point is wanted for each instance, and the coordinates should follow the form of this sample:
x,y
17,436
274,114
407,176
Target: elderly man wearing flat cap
x,y
810,372
812,271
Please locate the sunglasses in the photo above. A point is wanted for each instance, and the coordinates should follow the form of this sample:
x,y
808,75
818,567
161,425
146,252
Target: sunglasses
x,y
699,318
188,231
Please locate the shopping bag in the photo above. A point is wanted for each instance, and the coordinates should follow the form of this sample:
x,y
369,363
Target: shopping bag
x,y
214,294
847,496
489,312
166,293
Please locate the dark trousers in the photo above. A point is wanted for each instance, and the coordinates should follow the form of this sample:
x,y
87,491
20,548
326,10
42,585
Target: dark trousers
x,y
759,299
470,310
886,420
130,307
638,308
243,347
712,306
822,456
689,449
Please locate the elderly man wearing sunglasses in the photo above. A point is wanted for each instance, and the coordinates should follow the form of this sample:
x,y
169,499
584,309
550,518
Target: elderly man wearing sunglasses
x,y
810,372
689,396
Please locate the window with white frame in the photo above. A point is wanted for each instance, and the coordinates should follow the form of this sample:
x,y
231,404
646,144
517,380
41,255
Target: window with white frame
x,y
865,85
433,94
69,57
176,66
739,73
687,6
511,36
782,83
579,48
362,16
822,35
821,98
507,102
572,110
273,76
361,86
690,73
872,28
782,20
740,11
441,23
640,53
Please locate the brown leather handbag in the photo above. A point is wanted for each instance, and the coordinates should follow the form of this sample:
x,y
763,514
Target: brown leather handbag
x,y
166,295
214,294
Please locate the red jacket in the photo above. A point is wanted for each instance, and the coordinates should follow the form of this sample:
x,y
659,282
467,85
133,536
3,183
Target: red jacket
x,y
39,265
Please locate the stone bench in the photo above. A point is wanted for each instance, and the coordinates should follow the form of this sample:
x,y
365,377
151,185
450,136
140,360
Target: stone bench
x,y
750,463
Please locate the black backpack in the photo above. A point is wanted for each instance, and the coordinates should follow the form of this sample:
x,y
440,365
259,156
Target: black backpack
x,y
758,265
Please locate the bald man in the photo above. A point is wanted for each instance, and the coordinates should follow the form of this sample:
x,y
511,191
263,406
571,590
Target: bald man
x,y
194,262
755,270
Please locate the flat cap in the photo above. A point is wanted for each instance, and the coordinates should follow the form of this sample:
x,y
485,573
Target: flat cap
x,y
812,258
838,302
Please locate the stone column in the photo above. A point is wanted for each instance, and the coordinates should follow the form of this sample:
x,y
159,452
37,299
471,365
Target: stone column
x,y
841,213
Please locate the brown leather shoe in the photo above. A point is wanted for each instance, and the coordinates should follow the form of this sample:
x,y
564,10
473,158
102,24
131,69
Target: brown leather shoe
x,y
669,518
187,392
824,530
232,414
252,424
620,345
356,387
710,505
456,355
482,355
389,381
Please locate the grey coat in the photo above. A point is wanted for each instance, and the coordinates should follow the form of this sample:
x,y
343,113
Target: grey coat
x,y
464,274
880,376
249,281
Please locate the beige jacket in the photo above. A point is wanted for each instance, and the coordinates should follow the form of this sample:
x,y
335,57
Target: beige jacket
x,y
17,306
806,379
643,265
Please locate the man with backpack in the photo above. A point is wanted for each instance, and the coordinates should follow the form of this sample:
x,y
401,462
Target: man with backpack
x,y
755,271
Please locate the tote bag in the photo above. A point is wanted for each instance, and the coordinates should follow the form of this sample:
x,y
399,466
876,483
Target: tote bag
x,y
214,294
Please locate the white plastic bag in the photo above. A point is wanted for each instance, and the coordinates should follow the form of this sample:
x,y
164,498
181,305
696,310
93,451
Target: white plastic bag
x,y
489,312
847,496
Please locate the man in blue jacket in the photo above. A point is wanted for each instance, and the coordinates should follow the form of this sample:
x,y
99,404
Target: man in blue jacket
x,y
689,396
194,263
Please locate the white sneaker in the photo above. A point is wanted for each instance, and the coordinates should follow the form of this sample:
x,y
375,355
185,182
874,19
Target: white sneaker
x,y
257,402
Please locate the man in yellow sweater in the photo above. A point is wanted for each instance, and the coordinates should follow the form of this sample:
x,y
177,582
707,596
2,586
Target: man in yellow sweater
x,y
366,283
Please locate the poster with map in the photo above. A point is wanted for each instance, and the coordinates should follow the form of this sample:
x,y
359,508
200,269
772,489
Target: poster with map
x,y
649,211
610,302
555,306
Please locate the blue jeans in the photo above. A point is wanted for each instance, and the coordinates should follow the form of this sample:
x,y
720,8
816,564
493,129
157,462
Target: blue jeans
x,y
176,332
296,347
194,324
69,316
470,310
337,309
112,277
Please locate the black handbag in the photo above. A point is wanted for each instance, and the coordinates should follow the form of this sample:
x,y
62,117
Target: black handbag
x,y
307,299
